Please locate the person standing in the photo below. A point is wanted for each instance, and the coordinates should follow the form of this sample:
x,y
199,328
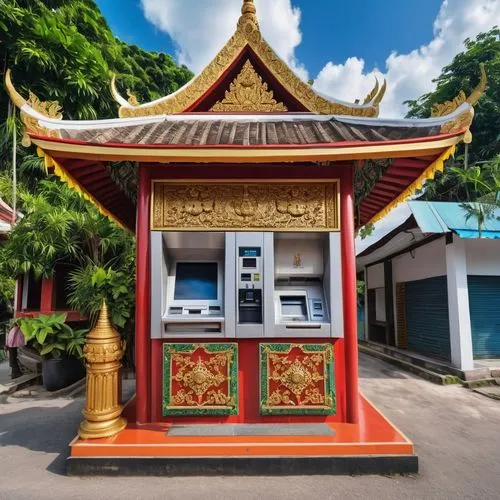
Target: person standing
x,y
15,339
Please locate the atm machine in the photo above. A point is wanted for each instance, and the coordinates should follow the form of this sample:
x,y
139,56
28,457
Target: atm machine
x,y
188,284
301,284
245,285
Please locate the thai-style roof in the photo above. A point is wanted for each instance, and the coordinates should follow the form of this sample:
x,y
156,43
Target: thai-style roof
x,y
247,107
6,215
245,73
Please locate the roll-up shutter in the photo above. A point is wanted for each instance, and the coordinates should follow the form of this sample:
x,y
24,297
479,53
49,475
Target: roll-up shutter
x,y
484,305
401,326
427,317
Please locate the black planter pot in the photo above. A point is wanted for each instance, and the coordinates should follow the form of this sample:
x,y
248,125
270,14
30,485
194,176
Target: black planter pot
x,y
60,373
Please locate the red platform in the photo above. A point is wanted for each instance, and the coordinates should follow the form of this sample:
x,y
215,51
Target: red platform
x,y
148,449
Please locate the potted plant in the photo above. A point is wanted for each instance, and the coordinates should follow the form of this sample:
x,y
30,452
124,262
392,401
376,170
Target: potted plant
x,y
60,346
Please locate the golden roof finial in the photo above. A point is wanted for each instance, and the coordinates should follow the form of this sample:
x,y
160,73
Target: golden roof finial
x,y
248,11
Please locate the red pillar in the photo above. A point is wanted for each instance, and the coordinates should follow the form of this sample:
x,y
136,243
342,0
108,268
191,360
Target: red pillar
x,y
47,305
142,297
349,295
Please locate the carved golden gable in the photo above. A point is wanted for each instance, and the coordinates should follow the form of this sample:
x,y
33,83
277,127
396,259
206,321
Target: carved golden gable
x,y
248,92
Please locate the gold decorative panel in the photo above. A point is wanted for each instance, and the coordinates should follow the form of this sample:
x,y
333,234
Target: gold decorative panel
x,y
296,379
248,92
273,206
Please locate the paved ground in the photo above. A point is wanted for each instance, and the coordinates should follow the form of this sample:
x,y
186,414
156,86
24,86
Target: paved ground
x,y
457,433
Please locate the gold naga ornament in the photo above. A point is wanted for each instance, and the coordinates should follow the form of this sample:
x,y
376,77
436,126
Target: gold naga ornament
x,y
463,120
50,109
103,351
248,92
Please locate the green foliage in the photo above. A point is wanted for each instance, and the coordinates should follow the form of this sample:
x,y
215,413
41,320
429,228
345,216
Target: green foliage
x,y
59,226
73,232
7,289
64,50
51,337
92,284
366,230
484,182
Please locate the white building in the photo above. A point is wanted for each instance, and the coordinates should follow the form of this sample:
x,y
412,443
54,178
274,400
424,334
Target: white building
x,y
433,286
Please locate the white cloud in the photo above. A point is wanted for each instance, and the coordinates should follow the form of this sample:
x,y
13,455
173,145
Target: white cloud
x,y
410,75
202,27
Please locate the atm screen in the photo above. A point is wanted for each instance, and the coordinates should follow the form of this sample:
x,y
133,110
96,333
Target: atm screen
x,y
196,281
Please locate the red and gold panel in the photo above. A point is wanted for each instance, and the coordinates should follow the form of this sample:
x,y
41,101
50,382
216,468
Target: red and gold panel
x,y
296,379
200,379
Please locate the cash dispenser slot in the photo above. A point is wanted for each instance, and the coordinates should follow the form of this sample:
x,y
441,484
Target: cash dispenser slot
x,y
250,306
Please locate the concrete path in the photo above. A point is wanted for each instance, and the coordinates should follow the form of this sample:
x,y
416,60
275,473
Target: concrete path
x,y
457,433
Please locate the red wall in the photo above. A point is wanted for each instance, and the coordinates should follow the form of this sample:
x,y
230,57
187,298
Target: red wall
x,y
248,384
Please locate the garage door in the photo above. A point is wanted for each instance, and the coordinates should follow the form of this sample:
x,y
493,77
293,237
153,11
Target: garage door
x,y
484,304
427,317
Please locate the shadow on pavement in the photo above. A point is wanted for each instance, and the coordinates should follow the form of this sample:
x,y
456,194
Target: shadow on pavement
x,y
43,429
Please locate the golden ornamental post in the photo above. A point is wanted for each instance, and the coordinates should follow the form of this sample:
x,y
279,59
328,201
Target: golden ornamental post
x,y
103,351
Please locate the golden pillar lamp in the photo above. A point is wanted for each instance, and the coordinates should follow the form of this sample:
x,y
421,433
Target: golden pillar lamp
x,y
103,351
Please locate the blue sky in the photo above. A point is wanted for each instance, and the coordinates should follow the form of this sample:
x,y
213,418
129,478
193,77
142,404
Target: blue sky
x,y
332,31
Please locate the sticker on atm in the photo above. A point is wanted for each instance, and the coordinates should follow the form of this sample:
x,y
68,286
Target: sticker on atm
x,y
256,277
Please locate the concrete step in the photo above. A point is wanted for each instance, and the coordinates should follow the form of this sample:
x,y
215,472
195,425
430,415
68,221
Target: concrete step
x,y
484,382
413,358
10,386
433,365
492,391
39,392
431,376
31,361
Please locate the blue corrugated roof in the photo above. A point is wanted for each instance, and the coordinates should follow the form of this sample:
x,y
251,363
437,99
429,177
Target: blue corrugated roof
x,y
444,217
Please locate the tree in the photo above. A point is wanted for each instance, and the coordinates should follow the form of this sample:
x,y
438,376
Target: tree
x,y
64,50
75,233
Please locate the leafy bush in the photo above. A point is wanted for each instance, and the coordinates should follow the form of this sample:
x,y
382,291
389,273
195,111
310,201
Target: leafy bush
x,y
51,337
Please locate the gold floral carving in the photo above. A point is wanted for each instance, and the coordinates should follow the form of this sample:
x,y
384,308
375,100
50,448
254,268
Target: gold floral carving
x,y
461,122
447,107
248,93
297,377
200,379
247,35
309,206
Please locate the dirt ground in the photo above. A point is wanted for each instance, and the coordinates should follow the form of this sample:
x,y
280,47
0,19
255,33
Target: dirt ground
x,y
456,432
